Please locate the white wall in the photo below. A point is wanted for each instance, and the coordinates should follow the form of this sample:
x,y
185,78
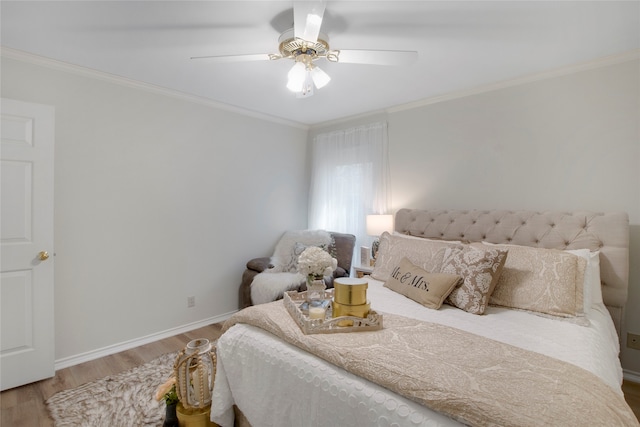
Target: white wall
x,y
563,143
156,198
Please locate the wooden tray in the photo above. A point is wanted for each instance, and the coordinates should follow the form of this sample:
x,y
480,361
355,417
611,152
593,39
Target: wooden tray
x,y
293,301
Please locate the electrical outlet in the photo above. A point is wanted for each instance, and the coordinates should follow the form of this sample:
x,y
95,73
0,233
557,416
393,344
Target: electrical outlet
x,y
191,302
633,341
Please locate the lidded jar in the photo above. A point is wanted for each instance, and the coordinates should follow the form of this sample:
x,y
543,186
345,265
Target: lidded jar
x,y
350,299
350,290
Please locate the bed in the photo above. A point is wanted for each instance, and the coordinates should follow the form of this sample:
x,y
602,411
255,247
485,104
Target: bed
x,y
551,359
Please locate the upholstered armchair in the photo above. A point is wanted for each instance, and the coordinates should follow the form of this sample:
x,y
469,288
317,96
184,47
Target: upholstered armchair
x,y
281,266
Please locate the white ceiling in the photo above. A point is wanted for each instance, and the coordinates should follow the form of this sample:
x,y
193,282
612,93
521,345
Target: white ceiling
x,y
461,45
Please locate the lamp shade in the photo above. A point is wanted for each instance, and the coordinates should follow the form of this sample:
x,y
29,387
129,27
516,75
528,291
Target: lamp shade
x,y
378,224
296,77
320,78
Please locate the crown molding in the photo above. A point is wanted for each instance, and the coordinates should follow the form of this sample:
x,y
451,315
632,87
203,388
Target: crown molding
x,y
42,61
563,71
558,72
88,72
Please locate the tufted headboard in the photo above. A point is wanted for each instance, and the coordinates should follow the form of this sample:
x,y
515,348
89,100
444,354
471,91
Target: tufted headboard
x,y
606,232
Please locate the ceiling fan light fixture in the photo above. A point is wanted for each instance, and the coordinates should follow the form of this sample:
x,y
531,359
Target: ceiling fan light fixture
x,y
320,78
291,46
305,44
296,77
307,86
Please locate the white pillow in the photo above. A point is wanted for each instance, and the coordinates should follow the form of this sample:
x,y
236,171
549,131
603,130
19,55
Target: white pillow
x,y
596,284
592,285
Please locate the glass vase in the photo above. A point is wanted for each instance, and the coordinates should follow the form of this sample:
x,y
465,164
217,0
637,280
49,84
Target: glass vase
x,y
315,288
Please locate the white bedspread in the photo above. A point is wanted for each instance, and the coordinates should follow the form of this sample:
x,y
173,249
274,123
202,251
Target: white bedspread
x,y
276,384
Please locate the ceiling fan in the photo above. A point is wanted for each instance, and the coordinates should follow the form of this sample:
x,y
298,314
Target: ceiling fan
x,y
305,44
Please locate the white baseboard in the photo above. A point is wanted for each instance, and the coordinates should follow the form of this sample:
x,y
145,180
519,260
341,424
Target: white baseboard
x,y
66,362
632,376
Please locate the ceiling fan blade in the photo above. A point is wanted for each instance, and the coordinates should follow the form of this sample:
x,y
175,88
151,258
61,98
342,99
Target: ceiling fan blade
x,y
307,19
238,58
378,57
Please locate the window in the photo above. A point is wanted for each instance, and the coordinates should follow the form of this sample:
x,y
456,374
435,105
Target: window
x,y
349,180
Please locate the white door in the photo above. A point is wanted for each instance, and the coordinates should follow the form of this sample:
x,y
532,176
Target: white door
x,y
26,236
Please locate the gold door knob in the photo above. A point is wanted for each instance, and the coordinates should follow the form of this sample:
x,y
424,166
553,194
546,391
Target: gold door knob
x,y
43,256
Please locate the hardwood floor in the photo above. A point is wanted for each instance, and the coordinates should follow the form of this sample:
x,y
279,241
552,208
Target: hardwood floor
x,y
632,395
24,406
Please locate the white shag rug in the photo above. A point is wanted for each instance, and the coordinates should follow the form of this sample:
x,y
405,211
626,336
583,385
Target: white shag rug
x,y
122,400
272,283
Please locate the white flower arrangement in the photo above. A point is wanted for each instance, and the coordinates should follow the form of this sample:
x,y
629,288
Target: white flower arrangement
x,y
315,262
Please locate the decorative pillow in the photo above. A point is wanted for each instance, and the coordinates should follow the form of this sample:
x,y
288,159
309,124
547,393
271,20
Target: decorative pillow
x,y
480,270
432,239
284,258
297,250
547,281
424,253
428,289
592,288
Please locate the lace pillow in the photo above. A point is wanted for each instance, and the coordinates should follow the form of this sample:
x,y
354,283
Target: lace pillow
x,y
480,271
428,289
424,253
548,281
288,249
296,251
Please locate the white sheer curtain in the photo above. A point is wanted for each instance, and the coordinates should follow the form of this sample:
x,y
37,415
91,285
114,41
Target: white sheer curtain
x,y
349,180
